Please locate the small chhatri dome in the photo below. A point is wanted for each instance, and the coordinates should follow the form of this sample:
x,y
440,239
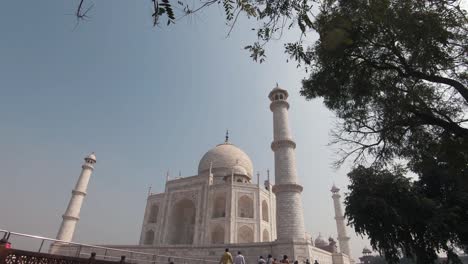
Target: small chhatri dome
x,y
320,242
91,157
239,170
226,159
334,189
366,251
278,94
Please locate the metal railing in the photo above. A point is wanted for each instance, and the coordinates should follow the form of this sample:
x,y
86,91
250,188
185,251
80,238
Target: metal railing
x,y
60,247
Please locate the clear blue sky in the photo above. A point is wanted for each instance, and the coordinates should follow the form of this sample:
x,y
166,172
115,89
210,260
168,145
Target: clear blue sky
x,y
146,100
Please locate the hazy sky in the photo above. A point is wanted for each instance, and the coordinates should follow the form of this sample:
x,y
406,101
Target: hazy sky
x,y
146,100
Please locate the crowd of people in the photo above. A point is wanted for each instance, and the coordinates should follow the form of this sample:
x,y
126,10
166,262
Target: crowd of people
x,y
240,259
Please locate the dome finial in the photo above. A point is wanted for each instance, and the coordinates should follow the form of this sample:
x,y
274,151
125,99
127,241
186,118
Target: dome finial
x,y
227,137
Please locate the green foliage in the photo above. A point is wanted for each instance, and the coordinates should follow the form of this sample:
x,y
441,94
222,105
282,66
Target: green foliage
x,y
274,16
257,52
394,72
296,52
228,9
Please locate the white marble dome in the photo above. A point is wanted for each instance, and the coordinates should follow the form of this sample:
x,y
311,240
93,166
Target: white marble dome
x,y
224,158
320,242
239,170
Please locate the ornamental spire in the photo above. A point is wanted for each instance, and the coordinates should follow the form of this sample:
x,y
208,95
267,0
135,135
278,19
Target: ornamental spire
x,y
227,137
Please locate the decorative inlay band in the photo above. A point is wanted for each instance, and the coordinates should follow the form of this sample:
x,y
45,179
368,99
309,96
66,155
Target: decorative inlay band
x,y
282,143
87,166
69,217
277,103
289,187
75,192
191,195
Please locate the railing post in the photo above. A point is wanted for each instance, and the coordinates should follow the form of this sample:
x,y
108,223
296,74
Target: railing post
x,y
40,247
78,252
105,254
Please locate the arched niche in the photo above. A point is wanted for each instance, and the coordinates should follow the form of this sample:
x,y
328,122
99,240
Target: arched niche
x,y
265,236
153,215
265,215
245,234
217,235
182,223
149,237
219,206
245,207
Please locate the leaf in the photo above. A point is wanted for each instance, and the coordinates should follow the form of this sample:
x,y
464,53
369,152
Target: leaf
x,y
306,20
301,25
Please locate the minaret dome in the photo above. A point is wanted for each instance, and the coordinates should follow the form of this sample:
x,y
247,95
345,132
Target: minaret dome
x,y
278,94
335,189
91,158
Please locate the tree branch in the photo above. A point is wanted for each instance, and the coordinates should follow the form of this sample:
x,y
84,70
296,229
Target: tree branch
x,y
439,79
432,120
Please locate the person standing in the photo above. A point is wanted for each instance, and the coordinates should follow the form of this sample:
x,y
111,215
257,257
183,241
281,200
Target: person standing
x,y
270,259
239,258
285,260
226,258
261,260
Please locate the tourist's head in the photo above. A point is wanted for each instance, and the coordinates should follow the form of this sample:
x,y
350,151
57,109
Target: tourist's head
x,y
227,249
285,257
261,257
296,262
238,252
269,256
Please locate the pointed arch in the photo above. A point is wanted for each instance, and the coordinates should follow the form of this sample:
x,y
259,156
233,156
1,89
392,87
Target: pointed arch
x,y
217,235
182,223
219,206
245,207
265,215
245,234
149,237
153,215
265,236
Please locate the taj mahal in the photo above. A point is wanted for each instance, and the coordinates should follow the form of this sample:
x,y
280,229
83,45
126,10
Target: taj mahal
x,y
224,206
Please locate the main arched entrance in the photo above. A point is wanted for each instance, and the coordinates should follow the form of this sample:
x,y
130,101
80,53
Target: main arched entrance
x,y
182,223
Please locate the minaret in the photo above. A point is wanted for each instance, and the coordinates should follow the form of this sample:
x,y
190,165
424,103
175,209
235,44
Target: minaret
x,y
289,217
343,239
72,214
